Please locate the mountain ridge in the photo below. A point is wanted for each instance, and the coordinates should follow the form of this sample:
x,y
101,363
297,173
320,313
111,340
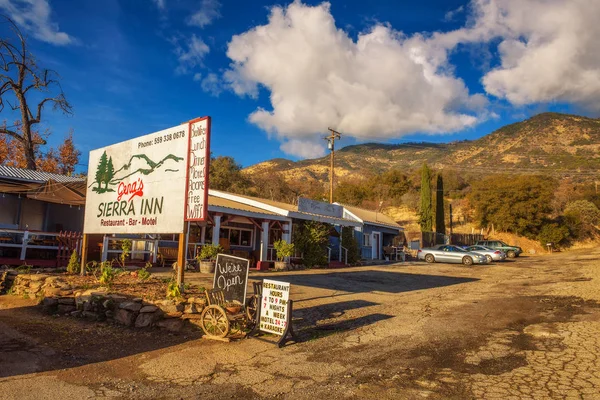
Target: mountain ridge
x,y
552,143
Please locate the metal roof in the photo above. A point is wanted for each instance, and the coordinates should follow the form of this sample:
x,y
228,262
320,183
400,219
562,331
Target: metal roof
x,y
372,217
28,175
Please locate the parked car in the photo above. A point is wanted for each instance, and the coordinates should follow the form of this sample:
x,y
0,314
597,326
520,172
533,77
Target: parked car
x,y
511,251
450,254
490,254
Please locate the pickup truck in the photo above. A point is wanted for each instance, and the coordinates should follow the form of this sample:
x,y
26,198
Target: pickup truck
x,y
511,251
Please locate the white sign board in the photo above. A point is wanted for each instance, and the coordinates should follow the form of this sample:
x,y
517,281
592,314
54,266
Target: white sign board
x,y
319,207
139,186
197,170
274,306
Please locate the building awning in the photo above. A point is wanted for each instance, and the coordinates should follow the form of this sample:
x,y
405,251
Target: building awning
x,y
51,191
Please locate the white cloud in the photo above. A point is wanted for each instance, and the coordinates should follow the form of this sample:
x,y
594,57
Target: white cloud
x,y
386,84
160,4
33,16
208,12
303,148
212,84
192,56
383,85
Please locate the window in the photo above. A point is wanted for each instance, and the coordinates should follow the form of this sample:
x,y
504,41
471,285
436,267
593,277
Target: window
x,y
367,239
237,236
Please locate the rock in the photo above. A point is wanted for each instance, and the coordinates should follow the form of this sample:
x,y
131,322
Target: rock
x,y
36,285
67,300
130,306
543,330
109,314
50,291
144,320
167,306
87,306
137,300
90,315
49,302
108,303
76,314
38,277
190,309
191,300
124,317
176,314
148,309
172,325
180,306
65,309
66,292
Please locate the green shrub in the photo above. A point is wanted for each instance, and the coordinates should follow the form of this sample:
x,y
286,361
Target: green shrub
x,y
311,239
554,233
125,251
107,273
143,274
210,251
582,217
283,249
173,291
73,266
24,268
349,241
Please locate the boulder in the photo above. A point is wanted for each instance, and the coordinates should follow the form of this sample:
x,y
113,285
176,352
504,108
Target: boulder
x,y
67,300
49,302
90,315
167,306
148,309
65,308
191,309
124,317
76,314
145,320
50,291
130,306
175,314
38,277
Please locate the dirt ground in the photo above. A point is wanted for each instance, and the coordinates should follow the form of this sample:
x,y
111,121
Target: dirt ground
x,y
522,329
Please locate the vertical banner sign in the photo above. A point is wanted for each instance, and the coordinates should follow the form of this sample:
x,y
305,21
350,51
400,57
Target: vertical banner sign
x,y
196,192
231,275
274,307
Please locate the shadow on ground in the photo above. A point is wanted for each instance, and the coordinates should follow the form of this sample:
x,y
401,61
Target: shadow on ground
x,y
31,341
368,281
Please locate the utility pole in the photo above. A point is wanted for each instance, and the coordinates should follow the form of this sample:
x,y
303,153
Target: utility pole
x,y
331,145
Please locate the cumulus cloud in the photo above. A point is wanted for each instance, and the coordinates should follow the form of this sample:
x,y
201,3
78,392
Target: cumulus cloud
x,y
382,85
303,148
386,84
208,12
34,17
191,54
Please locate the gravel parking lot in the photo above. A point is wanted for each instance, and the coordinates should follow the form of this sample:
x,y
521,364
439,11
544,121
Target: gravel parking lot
x,y
528,328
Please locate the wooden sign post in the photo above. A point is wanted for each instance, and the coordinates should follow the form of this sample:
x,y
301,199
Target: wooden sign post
x,y
275,311
231,275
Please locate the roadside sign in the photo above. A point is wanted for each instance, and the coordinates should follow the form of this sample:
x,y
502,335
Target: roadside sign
x,y
231,275
274,306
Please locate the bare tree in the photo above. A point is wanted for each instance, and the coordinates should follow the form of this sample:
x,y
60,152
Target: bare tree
x,y
20,79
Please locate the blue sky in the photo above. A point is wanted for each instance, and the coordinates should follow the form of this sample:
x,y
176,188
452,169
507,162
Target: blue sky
x,y
386,71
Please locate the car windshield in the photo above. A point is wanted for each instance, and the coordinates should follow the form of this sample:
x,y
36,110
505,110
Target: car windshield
x,y
454,248
504,244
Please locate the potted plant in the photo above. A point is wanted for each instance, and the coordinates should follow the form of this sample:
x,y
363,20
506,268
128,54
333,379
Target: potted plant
x,y
284,251
207,257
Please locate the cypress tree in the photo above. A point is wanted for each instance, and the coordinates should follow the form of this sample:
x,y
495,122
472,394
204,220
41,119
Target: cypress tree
x,y
110,172
440,226
426,215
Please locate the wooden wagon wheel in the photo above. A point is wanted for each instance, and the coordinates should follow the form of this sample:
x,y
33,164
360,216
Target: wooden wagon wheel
x,y
251,309
214,321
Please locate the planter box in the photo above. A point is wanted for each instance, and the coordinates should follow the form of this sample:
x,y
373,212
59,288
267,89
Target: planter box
x,y
207,267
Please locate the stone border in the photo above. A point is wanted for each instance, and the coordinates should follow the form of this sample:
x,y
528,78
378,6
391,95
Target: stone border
x,y
58,297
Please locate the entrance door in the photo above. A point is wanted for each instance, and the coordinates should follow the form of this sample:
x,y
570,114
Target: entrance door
x,y
376,248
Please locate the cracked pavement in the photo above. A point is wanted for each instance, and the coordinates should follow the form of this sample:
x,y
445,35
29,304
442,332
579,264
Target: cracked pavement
x,y
524,329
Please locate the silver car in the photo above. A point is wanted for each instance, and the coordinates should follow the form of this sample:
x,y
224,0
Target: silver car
x,y
450,254
490,254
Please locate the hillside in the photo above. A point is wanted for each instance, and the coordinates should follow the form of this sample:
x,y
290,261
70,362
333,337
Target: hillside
x,y
552,143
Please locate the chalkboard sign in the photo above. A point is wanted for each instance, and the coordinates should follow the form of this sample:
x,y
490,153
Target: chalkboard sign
x,y
231,275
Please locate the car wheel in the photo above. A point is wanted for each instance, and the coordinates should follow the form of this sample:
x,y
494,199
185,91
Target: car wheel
x,y
467,261
429,258
511,254
489,258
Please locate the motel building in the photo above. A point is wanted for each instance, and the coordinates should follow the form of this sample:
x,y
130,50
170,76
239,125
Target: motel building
x,y
41,215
